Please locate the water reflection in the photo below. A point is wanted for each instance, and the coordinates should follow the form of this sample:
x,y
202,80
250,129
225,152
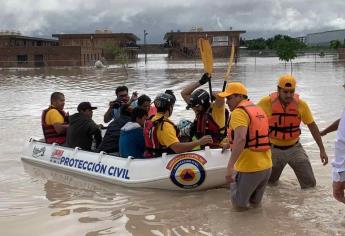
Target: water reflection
x,y
108,209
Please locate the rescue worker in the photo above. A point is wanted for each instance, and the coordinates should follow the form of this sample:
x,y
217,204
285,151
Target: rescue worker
x,y
210,117
161,134
54,119
286,111
249,167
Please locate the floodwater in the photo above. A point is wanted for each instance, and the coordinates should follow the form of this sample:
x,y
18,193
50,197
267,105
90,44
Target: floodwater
x,y
39,201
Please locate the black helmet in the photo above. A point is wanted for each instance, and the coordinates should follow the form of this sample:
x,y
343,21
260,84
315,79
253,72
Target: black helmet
x,y
169,91
199,97
164,101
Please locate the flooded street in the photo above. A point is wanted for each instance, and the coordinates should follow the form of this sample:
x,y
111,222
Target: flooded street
x,y
40,201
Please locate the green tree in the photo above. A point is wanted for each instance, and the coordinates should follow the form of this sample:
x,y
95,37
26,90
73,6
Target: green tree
x,y
286,48
119,54
335,44
256,44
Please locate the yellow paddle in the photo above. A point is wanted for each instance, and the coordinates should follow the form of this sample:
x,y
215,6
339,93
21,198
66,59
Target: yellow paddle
x,y
207,59
232,54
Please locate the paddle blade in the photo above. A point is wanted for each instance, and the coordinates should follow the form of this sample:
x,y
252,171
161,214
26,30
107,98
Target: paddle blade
x,y
206,55
232,54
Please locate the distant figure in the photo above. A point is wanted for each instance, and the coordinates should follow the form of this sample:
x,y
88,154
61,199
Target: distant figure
x,y
110,143
54,119
99,64
132,141
286,111
82,129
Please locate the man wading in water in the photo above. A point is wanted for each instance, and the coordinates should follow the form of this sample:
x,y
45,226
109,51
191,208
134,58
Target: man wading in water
x,y
251,152
286,111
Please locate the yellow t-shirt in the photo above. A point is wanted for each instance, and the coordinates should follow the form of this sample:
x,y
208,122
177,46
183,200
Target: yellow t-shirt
x,y
166,135
218,114
54,117
249,161
304,113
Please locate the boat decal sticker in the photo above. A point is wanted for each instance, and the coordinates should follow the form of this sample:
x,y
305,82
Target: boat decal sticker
x,y
187,170
193,156
95,167
38,152
56,155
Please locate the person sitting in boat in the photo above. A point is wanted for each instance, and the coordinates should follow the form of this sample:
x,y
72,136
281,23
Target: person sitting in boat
x,y
161,134
82,129
132,141
122,97
144,102
110,143
55,120
210,117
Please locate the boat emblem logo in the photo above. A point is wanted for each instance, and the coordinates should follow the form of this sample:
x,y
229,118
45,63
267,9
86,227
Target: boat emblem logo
x,y
38,152
187,170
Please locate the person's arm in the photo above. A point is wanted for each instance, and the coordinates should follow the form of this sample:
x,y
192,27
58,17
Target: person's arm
x,y
331,128
133,98
188,146
60,128
188,90
107,116
314,130
239,143
98,137
54,118
93,128
220,101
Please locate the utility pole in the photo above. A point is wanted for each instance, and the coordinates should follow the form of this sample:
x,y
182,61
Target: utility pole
x,y
145,33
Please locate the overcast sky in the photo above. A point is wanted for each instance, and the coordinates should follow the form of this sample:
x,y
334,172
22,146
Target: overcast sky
x,y
260,18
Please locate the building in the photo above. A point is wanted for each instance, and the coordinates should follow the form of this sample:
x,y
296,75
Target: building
x,y
69,50
324,38
184,44
301,39
23,51
103,40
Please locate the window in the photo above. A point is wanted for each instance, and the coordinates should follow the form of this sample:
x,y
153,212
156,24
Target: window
x,y
22,59
220,41
39,60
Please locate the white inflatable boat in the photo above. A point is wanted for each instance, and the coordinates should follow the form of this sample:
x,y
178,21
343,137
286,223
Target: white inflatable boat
x,y
187,171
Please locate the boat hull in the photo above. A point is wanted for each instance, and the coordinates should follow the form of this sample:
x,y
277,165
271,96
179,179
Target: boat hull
x,y
185,172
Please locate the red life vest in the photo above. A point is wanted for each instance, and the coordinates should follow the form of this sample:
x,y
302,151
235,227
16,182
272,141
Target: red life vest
x,y
285,122
153,148
50,135
204,124
257,134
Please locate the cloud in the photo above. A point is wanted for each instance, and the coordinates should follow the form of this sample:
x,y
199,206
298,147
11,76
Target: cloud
x,y
257,17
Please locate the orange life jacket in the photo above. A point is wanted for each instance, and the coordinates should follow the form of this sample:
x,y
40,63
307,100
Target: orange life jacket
x,y
285,122
257,134
153,148
50,135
